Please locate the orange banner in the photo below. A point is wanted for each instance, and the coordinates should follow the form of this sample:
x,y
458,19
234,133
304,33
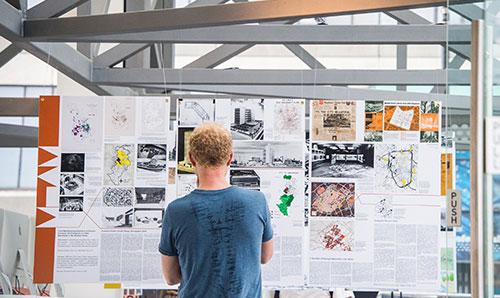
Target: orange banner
x,y
446,172
43,269
48,123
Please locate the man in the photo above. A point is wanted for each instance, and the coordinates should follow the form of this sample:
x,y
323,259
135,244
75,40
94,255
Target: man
x,y
215,238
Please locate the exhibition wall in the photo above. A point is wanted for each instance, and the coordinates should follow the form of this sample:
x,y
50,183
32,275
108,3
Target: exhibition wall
x,y
359,199
249,173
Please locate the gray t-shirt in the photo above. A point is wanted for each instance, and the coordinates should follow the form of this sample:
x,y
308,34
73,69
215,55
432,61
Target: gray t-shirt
x,y
217,235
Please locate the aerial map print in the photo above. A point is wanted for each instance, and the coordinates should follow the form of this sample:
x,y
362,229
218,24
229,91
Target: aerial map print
x,y
332,199
288,122
332,235
402,117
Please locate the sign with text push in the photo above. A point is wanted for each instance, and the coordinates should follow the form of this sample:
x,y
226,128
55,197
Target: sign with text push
x,y
453,208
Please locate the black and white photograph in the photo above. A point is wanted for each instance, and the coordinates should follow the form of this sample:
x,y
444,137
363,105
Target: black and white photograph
x,y
117,217
71,184
244,178
148,217
374,106
267,154
342,160
150,195
172,146
429,136
118,196
247,119
72,162
429,107
374,136
71,204
151,158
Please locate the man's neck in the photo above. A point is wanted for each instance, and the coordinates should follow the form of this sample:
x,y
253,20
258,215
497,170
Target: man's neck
x,y
212,179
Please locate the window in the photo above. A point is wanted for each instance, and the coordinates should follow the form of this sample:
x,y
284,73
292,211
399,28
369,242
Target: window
x,y
19,165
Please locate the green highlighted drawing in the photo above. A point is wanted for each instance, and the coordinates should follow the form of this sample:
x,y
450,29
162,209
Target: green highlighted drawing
x,y
448,277
287,197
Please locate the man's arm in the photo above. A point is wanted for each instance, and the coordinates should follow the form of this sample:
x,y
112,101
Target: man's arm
x,y
171,269
267,251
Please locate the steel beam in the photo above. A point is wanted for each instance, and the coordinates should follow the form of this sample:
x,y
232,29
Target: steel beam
x,y
206,2
292,34
206,16
19,106
493,8
325,92
71,63
62,56
8,53
468,11
224,52
407,17
219,55
18,136
305,56
117,54
10,21
401,62
126,77
455,63
52,8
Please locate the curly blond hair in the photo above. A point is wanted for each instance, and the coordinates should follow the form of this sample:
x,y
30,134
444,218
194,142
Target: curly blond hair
x,y
210,145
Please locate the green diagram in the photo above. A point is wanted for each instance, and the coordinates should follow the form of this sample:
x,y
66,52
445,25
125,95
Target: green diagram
x,y
287,197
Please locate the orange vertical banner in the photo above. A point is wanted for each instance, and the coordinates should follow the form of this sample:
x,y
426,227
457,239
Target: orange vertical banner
x,y
45,238
43,269
48,125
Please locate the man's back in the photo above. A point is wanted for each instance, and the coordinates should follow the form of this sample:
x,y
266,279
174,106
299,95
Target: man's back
x,y
217,236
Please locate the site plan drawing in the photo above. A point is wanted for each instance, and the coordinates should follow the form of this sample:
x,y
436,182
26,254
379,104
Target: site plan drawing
x,y
119,164
397,167
332,235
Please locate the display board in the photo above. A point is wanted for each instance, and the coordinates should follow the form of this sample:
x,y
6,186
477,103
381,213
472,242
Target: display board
x,y
101,192
355,201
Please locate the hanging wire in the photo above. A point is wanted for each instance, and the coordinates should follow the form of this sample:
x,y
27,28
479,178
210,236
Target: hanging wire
x,y
162,65
47,70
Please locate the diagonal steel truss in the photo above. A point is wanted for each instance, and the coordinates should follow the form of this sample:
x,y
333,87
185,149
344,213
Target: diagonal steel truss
x,y
42,32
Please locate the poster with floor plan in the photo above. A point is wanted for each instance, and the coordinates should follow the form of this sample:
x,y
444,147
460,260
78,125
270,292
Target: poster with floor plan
x,y
355,197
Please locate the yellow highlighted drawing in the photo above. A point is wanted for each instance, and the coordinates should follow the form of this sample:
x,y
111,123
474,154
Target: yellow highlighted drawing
x,y
122,159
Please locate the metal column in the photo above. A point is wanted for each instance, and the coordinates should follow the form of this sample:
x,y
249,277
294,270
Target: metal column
x,y
477,161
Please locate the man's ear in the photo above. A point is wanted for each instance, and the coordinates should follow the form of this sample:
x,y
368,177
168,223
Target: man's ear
x,y
230,159
191,159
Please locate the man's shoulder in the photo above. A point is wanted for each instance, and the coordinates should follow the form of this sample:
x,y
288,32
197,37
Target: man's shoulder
x,y
179,203
248,192
251,196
